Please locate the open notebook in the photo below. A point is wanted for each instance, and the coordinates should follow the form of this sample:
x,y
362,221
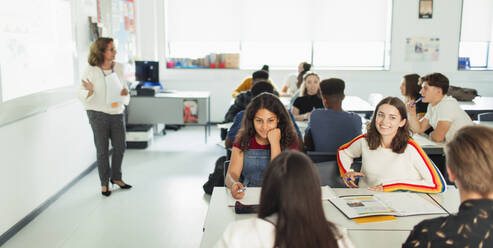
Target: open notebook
x,y
391,203
252,196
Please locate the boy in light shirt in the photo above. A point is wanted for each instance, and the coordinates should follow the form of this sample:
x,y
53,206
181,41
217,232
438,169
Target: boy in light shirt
x,y
444,113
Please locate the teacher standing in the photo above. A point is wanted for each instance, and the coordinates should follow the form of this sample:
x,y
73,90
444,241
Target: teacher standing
x,y
100,83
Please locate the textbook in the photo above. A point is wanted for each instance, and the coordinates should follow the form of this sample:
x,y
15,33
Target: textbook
x,y
390,203
252,196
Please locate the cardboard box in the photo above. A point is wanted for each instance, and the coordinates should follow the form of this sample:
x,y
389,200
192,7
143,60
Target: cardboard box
x,y
232,60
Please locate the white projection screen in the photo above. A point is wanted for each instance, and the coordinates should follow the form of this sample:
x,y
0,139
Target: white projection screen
x,y
36,47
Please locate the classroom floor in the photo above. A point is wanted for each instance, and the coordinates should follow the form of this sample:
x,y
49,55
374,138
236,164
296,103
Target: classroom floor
x,y
166,207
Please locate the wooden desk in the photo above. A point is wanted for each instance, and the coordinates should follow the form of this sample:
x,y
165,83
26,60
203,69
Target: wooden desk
x,y
395,232
167,108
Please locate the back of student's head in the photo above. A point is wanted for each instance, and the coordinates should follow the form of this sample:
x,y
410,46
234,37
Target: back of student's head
x,y
332,89
400,140
470,159
260,75
306,67
438,80
291,189
261,87
412,86
271,103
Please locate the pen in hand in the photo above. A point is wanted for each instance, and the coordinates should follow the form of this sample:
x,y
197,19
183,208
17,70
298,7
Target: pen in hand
x,y
418,100
349,179
241,190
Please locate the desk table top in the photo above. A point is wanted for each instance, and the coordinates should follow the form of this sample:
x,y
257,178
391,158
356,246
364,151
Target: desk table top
x,y
220,215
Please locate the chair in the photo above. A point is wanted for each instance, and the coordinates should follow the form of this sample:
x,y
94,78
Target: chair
x,y
329,174
318,157
485,116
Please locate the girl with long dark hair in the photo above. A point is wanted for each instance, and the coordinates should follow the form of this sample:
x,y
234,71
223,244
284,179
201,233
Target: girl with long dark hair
x,y
266,130
290,212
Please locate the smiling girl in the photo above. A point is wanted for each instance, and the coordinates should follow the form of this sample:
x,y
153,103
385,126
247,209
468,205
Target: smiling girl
x,y
310,97
266,130
391,160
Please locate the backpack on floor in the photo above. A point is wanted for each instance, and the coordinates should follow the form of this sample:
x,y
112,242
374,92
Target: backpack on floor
x,y
216,178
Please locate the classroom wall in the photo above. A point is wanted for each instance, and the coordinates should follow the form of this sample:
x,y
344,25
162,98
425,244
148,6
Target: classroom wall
x,y
45,138
445,25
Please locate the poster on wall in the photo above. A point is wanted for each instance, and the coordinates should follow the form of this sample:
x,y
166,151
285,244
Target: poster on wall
x,y
190,111
425,9
419,49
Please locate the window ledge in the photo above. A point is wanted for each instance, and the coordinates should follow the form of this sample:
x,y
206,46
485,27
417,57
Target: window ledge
x,y
475,69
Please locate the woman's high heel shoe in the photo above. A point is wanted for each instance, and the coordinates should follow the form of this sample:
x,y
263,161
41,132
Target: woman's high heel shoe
x,y
124,186
107,192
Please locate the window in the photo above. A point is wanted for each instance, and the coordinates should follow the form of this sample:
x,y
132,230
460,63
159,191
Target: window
x,y
282,33
476,33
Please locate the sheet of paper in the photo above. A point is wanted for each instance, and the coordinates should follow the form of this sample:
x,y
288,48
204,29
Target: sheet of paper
x,y
113,89
252,196
328,193
406,203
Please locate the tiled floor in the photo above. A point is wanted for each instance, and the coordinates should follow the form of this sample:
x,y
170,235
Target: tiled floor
x,y
166,207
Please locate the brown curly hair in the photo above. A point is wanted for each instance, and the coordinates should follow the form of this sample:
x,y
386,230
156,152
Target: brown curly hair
x,y
96,53
399,142
273,104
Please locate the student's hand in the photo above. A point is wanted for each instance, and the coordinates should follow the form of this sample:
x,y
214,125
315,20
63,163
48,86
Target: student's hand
x,y
306,116
378,188
350,178
88,85
234,191
124,92
274,136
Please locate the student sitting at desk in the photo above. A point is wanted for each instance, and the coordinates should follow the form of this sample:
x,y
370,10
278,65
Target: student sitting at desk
x,y
244,98
331,127
233,130
310,97
292,83
470,165
290,212
265,131
248,83
257,89
410,89
391,160
443,114
301,74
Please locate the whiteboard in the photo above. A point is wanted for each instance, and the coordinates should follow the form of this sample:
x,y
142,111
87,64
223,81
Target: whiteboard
x,y
36,47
